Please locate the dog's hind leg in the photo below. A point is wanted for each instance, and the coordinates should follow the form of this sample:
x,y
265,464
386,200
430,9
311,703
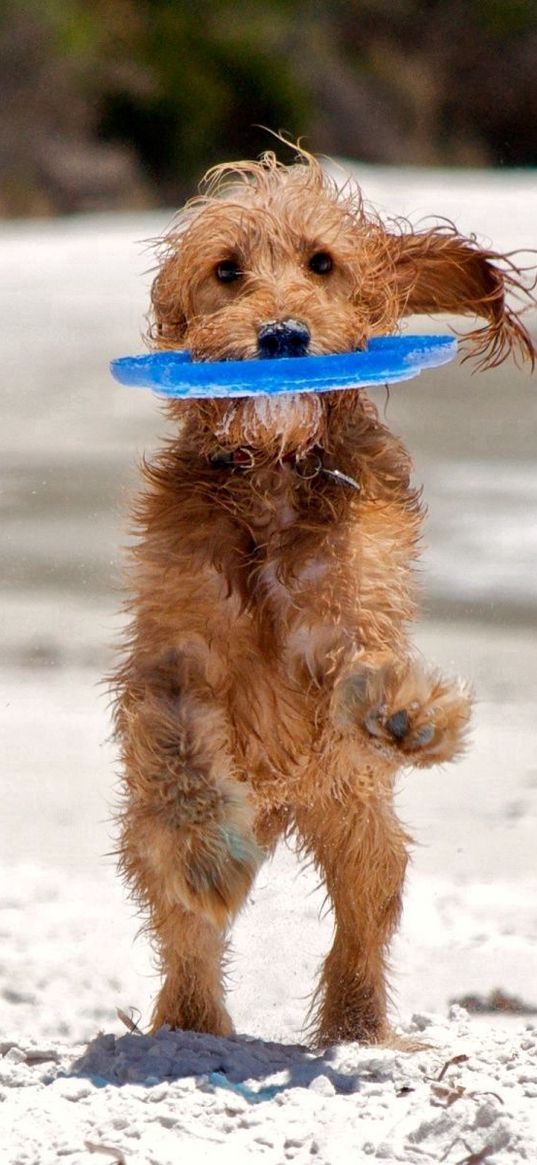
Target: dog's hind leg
x,y
360,851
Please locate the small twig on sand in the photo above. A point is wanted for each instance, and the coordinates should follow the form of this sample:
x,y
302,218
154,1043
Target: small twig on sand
x,y
461,1059
118,1157
129,1022
476,1158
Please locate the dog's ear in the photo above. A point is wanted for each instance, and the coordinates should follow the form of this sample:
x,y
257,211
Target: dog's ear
x,y
167,318
438,271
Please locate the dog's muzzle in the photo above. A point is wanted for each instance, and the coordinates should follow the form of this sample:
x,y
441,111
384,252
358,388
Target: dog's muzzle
x,y
282,338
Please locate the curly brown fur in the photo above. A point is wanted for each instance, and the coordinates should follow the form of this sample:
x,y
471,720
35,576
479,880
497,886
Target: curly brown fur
x,y
269,685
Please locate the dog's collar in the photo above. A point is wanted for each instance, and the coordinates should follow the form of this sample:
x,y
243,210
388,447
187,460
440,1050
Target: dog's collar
x,y
307,465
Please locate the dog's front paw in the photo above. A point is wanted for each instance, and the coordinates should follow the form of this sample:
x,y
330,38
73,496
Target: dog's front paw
x,y
404,711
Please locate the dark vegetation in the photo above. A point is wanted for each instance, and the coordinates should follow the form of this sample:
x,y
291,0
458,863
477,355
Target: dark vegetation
x,y
126,102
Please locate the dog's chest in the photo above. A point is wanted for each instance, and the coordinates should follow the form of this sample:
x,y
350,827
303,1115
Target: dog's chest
x,y
273,532
278,579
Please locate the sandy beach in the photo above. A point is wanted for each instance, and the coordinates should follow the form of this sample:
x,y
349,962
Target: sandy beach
x,y
73,297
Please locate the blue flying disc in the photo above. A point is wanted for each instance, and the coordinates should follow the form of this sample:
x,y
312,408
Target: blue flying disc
x,y
386,360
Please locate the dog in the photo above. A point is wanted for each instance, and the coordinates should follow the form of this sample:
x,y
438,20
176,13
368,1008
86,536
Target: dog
x,y
268,686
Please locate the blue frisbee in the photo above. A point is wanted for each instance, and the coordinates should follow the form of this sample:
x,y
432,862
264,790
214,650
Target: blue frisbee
x,y
386,360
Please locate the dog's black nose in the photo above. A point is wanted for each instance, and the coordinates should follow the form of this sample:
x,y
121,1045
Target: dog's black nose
x,y
283,338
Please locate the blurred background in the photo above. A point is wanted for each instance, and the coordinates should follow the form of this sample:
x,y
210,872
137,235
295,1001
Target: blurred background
x,y
110,112
124,103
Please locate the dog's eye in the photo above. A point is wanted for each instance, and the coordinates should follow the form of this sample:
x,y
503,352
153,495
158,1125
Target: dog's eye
x,y
321,263
227,271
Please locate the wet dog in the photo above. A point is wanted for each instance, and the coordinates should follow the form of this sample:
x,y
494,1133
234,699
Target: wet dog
x,y
269,686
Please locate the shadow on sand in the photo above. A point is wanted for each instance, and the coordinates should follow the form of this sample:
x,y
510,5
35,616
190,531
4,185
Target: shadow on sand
x,y
214,1062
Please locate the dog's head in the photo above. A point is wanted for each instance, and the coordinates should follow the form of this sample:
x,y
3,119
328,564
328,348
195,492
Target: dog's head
x,y
273,262
278,261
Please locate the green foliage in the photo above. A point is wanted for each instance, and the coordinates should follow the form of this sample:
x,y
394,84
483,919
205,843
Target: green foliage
x,y
505,18
178,80
174,86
